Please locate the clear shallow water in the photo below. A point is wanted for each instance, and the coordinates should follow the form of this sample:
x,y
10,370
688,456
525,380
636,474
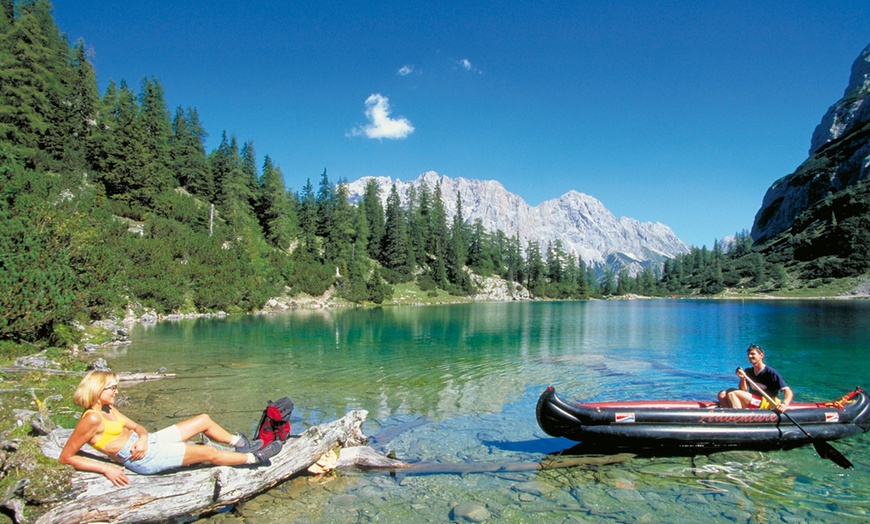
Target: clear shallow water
x,y
464,380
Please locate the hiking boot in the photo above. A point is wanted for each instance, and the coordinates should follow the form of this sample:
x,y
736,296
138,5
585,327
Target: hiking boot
x,y
268,451
245,445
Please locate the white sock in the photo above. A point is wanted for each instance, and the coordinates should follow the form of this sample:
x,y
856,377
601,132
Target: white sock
x,y
251,459
235,440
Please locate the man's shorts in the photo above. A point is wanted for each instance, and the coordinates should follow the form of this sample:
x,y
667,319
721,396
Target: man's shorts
x,y
759,402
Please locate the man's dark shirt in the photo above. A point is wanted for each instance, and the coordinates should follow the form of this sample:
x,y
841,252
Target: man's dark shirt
x,y
769,380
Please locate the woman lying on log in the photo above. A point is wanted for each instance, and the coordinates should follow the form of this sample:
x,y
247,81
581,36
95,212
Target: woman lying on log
x,y
127,443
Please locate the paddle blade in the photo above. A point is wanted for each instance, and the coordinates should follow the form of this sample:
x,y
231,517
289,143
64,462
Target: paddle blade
x,y
827,451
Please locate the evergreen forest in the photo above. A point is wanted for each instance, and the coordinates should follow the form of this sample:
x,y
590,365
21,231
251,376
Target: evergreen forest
x,y
109,201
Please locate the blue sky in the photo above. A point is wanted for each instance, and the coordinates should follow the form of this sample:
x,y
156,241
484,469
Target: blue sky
x,y
676,112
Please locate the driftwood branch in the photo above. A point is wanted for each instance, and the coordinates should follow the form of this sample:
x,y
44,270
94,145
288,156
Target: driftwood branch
x,y
123,377
193,490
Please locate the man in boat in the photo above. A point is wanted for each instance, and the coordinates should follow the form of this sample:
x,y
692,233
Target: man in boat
x,y
764,377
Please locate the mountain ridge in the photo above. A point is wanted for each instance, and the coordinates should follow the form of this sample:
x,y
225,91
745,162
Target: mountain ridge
x,y
839,157
583,224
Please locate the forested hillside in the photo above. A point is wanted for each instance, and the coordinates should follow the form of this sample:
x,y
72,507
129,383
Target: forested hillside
x,y
109,201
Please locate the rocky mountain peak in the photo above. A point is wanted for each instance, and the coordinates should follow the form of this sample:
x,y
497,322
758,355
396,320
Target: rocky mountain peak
x,y
850,111
839,158
580,221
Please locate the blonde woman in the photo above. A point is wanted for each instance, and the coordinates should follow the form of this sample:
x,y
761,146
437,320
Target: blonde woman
x,y
130,445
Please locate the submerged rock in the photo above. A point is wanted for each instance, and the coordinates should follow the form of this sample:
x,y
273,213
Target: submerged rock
x,y
469,512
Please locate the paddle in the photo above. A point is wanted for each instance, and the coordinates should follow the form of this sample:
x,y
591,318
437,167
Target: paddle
x,y
824,449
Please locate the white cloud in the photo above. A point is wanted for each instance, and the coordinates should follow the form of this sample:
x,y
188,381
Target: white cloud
x,y
381,125
405,70
467,65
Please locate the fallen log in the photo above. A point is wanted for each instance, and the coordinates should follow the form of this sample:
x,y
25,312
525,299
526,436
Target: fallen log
x,y
367,458
123,376
192,490
463,468
143,377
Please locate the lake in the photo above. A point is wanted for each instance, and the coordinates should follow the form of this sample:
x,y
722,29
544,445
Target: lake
x,y
459,383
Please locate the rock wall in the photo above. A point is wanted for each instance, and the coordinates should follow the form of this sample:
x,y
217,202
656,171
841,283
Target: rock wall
x,y
839,157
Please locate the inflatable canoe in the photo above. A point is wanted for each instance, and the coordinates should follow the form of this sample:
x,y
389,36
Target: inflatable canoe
x,y
675,424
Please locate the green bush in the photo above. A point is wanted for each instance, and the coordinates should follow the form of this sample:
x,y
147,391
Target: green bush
x,y
311,277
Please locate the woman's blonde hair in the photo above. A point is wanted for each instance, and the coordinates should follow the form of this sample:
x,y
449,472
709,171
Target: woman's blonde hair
x,y
92,386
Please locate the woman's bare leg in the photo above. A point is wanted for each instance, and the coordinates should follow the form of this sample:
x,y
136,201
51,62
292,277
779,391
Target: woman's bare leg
x,y
196,454
203,424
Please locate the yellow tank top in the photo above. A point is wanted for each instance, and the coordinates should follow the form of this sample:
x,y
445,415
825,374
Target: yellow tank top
x,y
111,429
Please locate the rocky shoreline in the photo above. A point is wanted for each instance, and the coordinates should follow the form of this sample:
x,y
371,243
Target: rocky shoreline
x,y
490,289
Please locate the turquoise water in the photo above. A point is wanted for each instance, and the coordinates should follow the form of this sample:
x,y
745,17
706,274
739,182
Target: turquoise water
x,y
463,380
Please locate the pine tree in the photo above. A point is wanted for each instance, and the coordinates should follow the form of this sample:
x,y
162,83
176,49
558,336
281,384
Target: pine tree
x,y
417,216
378,290
221,164
338,242
396,252
480,257
308,221
249,167
273,208
31,89
84,100
457,252
234,195
325,205
623,284
556,261
374,215
592,281
360,251
608,282
119,155
188,161
424,218
7,16
582,286
155,130
438,236
515,269
535,269
499,252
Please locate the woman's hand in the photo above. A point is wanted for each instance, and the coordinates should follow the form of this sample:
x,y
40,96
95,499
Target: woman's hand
x,y
116,476
139,448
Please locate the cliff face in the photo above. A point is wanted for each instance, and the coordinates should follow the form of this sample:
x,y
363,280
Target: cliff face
x,y
580,221
839,158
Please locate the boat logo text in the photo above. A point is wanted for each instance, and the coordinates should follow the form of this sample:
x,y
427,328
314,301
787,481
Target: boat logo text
x,y
747,417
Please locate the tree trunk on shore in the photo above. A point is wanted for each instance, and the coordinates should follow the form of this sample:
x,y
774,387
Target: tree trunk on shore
x,y
193,490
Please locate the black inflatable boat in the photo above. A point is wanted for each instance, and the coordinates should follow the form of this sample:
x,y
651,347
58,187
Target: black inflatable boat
x,y
675,424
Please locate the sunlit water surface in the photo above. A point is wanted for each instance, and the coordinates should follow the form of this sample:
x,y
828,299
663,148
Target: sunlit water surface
x,y
463,380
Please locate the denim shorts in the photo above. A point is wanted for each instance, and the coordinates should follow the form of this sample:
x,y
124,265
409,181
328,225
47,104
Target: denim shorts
x,y
165,451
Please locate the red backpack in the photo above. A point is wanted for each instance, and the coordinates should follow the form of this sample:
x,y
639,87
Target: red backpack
x,y
275,422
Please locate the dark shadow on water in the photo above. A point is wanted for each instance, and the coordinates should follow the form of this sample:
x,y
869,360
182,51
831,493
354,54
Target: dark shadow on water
x,y
544,446
563,447
383,437
598,448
